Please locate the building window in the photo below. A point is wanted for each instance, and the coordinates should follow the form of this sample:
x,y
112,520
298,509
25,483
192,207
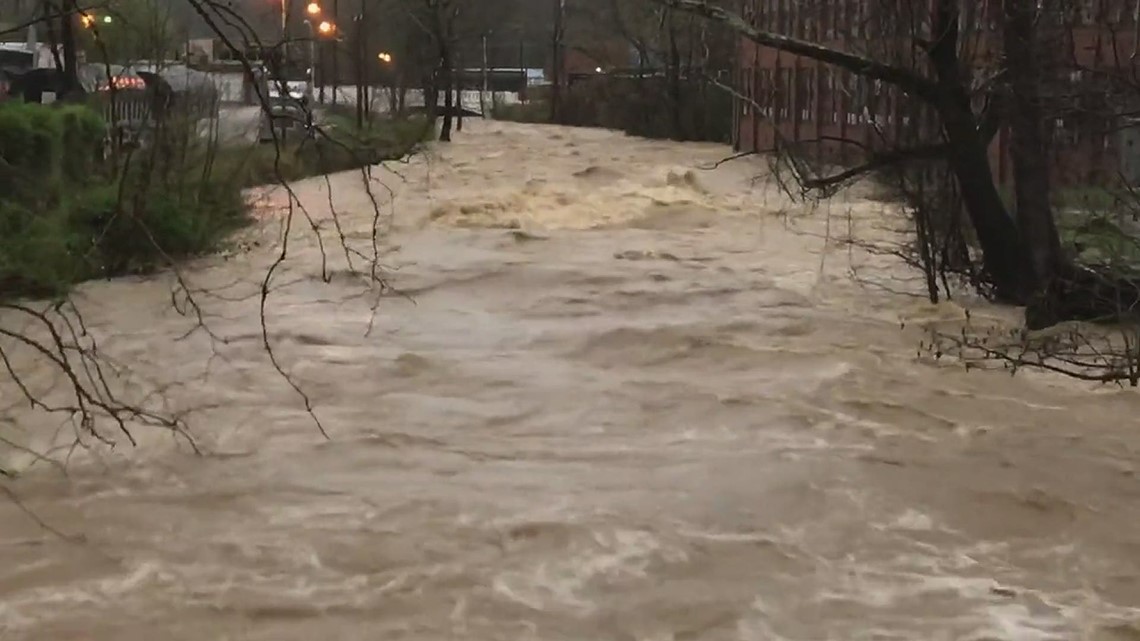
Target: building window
x,y
833,95
747,90
810,92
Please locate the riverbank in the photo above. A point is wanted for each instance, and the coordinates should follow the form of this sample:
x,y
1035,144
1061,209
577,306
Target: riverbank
x,y
70,216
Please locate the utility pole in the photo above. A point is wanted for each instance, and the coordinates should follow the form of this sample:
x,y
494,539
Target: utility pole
x,y
358,57
459,89
366,62
67,37
556,63
483,91
284,35
522,69
335,53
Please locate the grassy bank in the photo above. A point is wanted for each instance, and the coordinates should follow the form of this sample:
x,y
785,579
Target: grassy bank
x,y
69,215
339,146
1097,224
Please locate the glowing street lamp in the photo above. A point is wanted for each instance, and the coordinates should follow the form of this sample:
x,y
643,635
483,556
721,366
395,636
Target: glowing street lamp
x,y
313,9
325,28
384,57
88,21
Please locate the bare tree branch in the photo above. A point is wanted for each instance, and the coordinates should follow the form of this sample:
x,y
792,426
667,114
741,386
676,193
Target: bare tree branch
x,y
901,77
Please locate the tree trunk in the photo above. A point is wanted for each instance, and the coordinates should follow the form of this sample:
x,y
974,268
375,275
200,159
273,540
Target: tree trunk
x,y
431,95
67,38
556,64
673,79
1042,244
393,102
335,54
458,96
997,232
968,156
446,85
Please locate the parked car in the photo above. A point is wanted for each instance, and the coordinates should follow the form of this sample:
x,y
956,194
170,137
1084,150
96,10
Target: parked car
x,y
290,107
13,62
41,86
187,91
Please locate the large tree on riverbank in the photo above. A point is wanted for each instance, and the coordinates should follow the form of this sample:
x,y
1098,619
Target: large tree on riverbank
x,y
1021,250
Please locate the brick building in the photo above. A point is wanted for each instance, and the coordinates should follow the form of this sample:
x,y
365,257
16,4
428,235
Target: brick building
x,y
817,106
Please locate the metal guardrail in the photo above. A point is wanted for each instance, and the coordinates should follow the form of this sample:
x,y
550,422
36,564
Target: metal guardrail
x,y
125,106
131,113
127,113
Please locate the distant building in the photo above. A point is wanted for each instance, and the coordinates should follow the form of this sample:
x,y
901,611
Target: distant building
x,y
599,57
200,50
796,99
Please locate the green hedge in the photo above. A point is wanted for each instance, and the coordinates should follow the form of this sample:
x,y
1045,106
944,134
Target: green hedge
x,y
43,150
68,215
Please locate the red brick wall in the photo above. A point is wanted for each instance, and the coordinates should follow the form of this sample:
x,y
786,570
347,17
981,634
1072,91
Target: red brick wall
x,y
804,101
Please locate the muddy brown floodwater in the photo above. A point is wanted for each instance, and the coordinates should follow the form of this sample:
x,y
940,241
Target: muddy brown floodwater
x,y
630,399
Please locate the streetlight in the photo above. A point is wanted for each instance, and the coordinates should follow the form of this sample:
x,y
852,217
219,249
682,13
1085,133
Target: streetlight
x,y
313,9
88,20
384,57
325,29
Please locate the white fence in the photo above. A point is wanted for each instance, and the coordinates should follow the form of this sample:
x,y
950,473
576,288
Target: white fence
x,y
380,98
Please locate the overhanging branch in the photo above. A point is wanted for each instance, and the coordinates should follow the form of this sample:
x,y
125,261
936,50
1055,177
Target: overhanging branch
x,y
905,79
879,161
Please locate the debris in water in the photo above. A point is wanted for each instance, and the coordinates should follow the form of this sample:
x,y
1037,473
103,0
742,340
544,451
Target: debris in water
x,y
646,254
523,236
1001,590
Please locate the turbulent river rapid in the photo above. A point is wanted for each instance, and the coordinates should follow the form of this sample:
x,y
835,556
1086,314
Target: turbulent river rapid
x,y
624,396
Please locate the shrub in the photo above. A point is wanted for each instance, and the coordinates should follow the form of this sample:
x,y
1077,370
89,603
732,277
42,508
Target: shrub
x,y
339,147
37,252
30,150
637,106
68,215
81,137
151,226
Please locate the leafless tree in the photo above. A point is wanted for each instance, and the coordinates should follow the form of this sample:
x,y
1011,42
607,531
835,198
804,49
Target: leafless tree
x,y
971,93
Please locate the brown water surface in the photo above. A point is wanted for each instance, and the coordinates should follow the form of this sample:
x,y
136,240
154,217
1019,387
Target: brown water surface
x,y
630,400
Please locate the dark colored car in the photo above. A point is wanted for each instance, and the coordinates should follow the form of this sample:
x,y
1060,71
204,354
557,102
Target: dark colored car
x,y
185,90
41,85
